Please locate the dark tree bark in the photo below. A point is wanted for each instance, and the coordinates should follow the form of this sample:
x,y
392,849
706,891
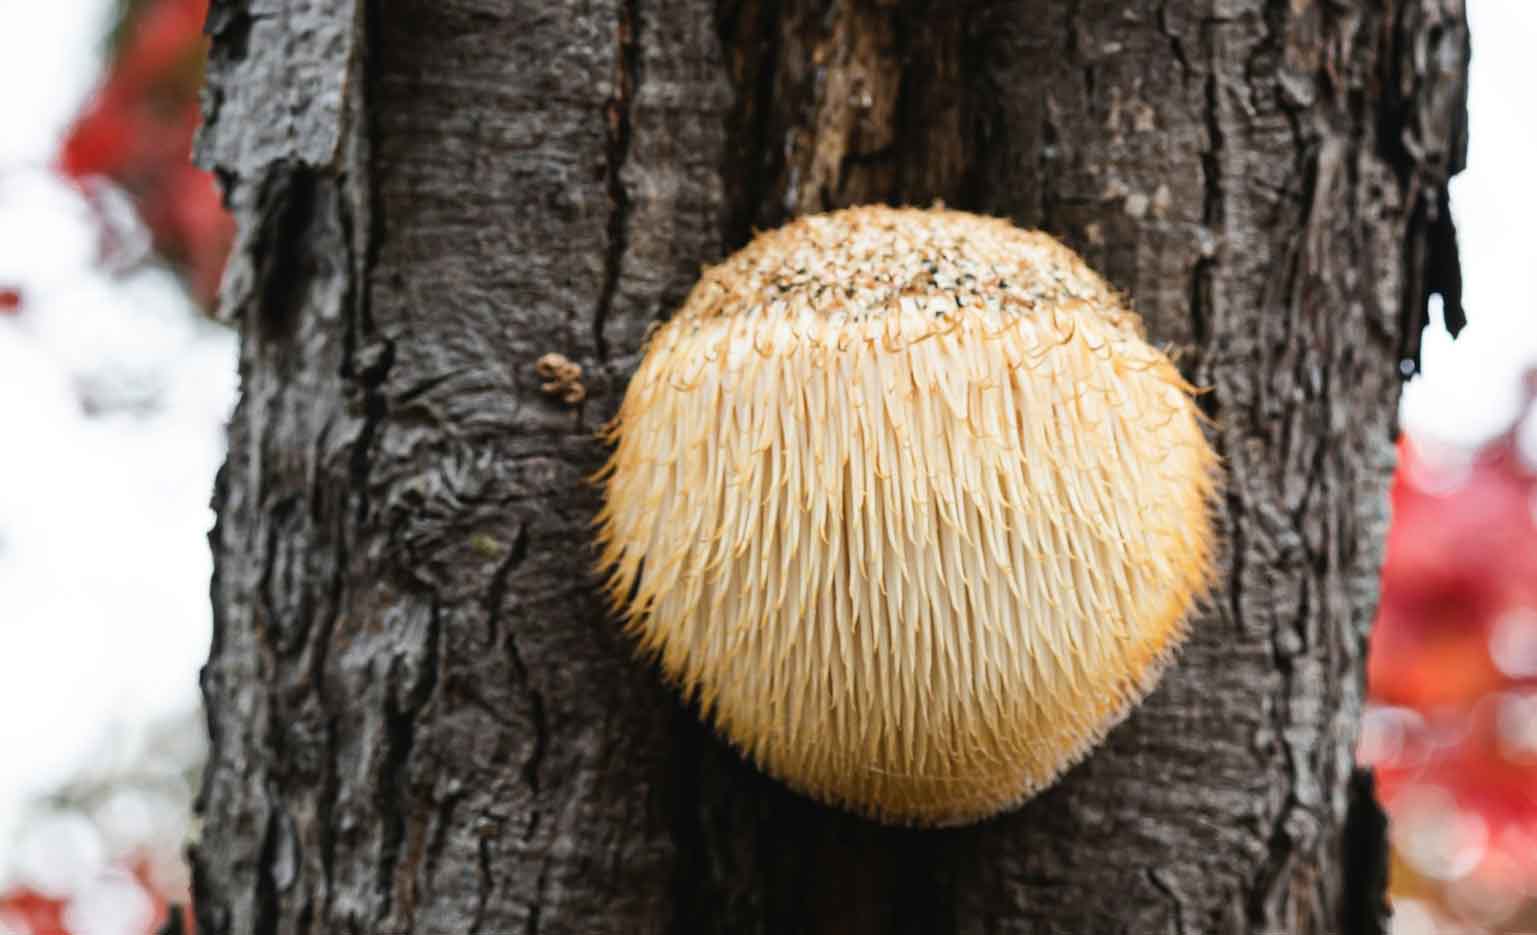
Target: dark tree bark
x,y
422,720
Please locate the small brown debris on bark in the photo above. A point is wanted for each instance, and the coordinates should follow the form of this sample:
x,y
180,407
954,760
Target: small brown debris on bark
x,y
563,376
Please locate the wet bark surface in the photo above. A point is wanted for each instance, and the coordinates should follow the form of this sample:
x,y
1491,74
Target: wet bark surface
x,y
422,719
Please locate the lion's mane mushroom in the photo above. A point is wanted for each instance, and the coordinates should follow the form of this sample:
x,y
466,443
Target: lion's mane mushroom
x,y
907,503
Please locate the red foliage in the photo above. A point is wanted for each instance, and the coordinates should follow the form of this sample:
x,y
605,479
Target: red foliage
x,y
10,301
1462,552
34,913
1453,664
138,130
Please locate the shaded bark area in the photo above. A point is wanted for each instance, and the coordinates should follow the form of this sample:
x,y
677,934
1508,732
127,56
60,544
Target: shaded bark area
x,y
421,718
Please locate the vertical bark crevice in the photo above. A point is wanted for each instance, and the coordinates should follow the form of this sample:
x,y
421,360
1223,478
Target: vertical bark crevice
x,y
1176,904
749,31
626,82
686,821
1364,910
394,801
286,205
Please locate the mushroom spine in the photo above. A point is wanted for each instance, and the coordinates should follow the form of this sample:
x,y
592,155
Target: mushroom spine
x,y
909,506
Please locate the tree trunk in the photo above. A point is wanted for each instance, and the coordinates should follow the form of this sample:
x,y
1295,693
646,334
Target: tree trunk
x,y
422,720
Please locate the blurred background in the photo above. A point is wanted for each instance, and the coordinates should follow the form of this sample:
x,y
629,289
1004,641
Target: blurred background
x,y
115,385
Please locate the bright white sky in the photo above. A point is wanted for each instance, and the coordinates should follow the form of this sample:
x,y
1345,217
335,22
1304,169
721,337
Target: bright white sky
x,y
103,557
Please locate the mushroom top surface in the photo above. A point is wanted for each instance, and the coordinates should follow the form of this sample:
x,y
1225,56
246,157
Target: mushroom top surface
x,y
866,263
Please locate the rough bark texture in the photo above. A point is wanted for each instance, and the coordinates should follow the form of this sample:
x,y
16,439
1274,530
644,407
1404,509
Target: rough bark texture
x,y
422,720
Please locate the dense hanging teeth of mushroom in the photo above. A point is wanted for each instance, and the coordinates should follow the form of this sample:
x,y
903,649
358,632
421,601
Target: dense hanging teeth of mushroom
x,y
920,512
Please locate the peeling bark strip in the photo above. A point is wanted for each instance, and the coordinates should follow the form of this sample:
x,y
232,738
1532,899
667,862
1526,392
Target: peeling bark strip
x,y
421,719
847,103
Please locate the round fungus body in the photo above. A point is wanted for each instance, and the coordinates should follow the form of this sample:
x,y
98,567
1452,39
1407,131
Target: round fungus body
x,y
906,502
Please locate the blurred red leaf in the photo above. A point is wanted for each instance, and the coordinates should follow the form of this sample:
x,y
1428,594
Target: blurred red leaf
x,y
1455,643
41,915
138,129
35,913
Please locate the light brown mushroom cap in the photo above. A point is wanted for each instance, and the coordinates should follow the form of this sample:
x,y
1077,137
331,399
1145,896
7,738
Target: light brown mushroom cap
x,y
909,506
